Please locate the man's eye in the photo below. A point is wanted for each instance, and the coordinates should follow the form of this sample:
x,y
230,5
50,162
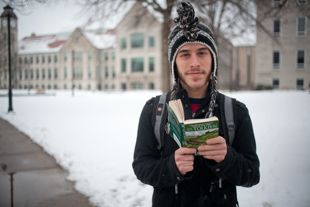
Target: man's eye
x,y
184,55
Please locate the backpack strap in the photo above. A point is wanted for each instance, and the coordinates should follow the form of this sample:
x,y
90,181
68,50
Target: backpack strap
x,y
229,106
160,113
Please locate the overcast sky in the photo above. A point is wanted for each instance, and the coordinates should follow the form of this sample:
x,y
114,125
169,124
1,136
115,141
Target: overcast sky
x,y
51,18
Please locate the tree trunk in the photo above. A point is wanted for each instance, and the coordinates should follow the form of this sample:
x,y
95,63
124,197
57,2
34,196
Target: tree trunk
x,y
166,77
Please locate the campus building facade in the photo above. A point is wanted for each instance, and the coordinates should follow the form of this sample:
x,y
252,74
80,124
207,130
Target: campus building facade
x,y
129,57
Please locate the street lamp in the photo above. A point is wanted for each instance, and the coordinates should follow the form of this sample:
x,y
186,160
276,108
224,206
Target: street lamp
x,y
8,12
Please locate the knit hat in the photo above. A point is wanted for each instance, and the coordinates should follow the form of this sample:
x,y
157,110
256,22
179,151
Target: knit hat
x,y
189,30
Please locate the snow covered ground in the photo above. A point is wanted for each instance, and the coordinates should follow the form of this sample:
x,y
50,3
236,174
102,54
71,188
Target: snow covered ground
x,y
92,135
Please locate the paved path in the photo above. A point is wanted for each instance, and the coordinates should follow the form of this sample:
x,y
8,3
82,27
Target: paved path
x,y
36,178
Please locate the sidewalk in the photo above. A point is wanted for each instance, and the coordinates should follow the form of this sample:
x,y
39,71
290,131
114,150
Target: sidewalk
x,y
36,178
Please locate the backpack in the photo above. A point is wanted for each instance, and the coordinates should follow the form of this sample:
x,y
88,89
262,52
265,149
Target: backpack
x,y
160,115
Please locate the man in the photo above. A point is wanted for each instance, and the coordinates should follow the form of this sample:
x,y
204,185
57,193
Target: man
x,y
179,178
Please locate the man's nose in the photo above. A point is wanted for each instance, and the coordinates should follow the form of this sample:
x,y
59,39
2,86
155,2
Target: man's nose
x,y
194,61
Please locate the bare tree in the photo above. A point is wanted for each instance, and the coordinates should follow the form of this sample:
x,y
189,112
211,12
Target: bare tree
x,y
227,18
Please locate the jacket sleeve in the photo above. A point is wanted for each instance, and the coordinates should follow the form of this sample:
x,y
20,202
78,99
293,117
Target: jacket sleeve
x,y
148,165
241,164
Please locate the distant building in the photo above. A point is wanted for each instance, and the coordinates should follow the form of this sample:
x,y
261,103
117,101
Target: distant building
x,y
283,56
129,57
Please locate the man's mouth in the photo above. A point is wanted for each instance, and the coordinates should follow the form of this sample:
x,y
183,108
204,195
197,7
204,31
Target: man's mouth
x,y
194,73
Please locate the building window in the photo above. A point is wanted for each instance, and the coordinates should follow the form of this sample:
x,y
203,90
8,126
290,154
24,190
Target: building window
x,y
113,55
300,59
106,71
300,84
78,73
124,86
106,56
65,73
89,72
49,73
37,74
276,83
43,73
137,40
137,86
77,38
151,41
276,28
37,59
123,43
49,59
65,56
151,86
20,75
77,56
43,59
26,74
113,72
31,59
89,54
301,26
137,65
151,64
55,59
55,73
276,60
124,64
31,74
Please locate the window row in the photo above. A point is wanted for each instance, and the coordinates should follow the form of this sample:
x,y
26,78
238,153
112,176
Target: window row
x,y
301,27
300,85
49,74
37,59
300,59
137,64
137,86
124,86
33,74
137,41
78,55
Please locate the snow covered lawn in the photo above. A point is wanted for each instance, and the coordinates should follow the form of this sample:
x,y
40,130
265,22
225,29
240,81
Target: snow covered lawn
x,y
92,135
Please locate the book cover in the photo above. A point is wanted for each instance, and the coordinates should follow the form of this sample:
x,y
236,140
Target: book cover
x,y
192,132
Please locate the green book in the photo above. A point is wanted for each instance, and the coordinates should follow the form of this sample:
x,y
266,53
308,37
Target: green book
x,y
192,132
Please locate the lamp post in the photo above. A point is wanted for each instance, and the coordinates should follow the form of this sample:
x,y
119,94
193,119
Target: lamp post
x,y
9,13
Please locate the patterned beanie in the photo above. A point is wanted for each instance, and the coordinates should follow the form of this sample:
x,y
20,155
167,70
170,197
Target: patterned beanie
x,y
189,30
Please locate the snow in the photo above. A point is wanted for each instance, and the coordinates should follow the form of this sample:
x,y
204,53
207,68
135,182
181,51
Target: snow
x,y
92,135
101,41
41,44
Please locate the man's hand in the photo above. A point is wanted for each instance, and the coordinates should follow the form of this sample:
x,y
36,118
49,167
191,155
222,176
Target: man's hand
x,y
184,159
215,149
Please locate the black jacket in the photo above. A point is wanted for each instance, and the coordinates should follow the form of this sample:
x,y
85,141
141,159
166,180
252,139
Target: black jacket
x,y
201,186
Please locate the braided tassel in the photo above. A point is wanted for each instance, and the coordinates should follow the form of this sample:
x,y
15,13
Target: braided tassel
x,y
213,96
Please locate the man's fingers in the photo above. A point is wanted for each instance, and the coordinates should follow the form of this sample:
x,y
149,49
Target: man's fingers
x,y
185,150
216,140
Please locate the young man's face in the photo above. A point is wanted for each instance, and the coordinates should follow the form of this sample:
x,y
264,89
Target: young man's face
x,y
194,65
